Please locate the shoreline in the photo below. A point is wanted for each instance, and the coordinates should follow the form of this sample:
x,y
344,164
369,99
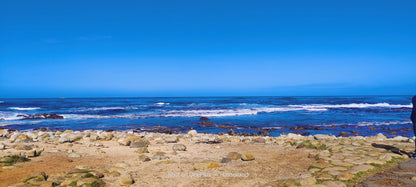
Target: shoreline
x,y
192,158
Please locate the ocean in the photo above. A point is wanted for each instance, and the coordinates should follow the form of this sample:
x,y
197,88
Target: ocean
x,y
352,115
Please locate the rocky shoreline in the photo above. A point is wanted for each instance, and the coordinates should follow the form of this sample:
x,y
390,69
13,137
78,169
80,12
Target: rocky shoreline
x,y
119,158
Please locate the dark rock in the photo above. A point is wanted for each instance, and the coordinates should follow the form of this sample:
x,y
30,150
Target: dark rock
x,y
41,116
344,134
225,160
204,119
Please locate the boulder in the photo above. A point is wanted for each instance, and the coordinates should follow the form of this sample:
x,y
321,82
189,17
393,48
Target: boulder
x,y
234,156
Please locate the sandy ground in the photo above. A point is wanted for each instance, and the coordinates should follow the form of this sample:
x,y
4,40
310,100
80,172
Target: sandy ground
x,y
271,163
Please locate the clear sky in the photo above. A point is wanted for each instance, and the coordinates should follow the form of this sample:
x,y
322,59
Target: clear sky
x,y
71,48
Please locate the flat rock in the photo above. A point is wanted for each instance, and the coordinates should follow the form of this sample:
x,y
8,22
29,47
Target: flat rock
x,y
334,184
307,181
360,168
411,164
345,176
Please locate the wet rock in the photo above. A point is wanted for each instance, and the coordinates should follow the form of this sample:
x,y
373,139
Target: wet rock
x,y
247,157
204,119
139,143
179,147
41,116
234,156
125,180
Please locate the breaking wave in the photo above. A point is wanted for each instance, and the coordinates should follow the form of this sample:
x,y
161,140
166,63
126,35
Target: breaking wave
x,y
24,108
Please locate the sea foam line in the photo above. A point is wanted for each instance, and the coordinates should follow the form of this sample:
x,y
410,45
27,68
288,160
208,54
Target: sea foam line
x,y
24,108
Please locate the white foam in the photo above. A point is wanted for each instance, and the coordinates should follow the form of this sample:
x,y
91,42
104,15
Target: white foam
x,y
108,108
10,116
162,103
24,108
351,105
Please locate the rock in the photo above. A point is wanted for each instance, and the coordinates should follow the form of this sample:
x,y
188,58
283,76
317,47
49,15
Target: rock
x,y
192,132
83,167
124,141
401,138
411,164
344,134
247,157
345,176
74,155
360,168
234,156
259,140
2,147
31,153
159,157
88,181
121,165
142,150
323,137
225,160
307,181
114,174
204,119
179,147
41,116
143,158
380,137
24,147
139,143
324,176
171,139
205,165
334,184
125,180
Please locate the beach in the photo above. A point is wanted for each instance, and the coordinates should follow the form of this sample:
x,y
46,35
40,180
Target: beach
x,y
118,158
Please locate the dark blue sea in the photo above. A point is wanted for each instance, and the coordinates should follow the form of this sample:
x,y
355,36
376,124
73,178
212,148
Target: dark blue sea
x,y
356,115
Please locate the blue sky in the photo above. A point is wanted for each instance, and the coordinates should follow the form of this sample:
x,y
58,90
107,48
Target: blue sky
x,y
207,48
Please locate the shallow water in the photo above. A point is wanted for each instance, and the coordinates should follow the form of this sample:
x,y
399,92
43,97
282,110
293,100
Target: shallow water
x,y
368,115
